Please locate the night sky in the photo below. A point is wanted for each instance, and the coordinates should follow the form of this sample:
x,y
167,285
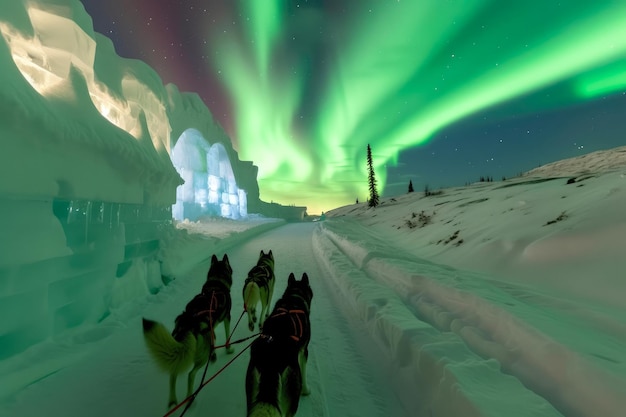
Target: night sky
x,y
444,91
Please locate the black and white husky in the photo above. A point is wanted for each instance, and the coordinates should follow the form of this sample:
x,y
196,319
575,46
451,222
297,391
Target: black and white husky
x,y
192,341
259,286
276,376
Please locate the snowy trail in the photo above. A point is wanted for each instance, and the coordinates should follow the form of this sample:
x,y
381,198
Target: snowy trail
x,y
335,362
111,373
392,335
495,320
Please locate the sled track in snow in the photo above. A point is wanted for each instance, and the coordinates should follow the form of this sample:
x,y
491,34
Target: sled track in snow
x,y
438,305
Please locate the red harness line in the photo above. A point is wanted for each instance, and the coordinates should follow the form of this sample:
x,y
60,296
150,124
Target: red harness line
x,y
210,310
245,309
298,327
228,343
298,332
193,395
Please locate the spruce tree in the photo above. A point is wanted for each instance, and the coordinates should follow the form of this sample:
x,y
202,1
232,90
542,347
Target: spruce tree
x,y
371,179
411,186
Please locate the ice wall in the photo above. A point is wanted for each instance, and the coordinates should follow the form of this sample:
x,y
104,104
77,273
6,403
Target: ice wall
x,y
87,184
210,186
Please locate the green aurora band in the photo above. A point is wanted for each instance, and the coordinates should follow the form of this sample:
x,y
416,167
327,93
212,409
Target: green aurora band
x,y
394,73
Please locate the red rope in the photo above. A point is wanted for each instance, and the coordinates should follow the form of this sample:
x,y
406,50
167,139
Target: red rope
x,y
228,343
298,328
212,308
234,328
169,413
237,341
245,310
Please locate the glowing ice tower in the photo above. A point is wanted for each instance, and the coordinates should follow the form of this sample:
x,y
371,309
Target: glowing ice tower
x,y
210,188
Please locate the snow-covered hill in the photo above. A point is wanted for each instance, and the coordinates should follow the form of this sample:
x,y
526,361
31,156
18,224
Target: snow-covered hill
x,y
516,289
564,233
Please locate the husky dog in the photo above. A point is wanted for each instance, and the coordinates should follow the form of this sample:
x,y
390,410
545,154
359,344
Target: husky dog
x,y
259,286
276,375
192,342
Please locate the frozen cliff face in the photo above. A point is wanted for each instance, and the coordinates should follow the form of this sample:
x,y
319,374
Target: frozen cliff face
x,y
68,133
87,178
83,97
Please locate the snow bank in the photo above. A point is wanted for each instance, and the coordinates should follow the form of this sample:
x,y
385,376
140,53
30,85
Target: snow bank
x,y
123,298
452,379
519,343
192,243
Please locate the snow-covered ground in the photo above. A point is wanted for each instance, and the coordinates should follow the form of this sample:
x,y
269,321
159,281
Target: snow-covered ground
x,y
525,283
495,299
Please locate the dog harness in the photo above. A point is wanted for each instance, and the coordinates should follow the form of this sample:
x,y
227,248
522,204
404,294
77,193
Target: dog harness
x,y
296,321
217,298
259,275
213,304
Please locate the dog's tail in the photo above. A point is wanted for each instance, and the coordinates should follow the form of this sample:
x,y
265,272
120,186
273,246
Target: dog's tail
x,y
170,355
251,297
251,294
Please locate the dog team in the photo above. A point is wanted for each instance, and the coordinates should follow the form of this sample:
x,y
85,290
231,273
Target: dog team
x,y
276,375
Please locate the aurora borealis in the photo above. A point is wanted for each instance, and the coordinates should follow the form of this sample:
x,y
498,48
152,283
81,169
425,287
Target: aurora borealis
x,y
303,86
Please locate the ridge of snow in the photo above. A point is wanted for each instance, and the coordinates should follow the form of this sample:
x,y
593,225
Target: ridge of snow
x,y
494,321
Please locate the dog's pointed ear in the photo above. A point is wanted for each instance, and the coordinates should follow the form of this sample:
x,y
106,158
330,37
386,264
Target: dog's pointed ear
x,y
271,254
213,260
225,259
262,253
292,279
305,278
